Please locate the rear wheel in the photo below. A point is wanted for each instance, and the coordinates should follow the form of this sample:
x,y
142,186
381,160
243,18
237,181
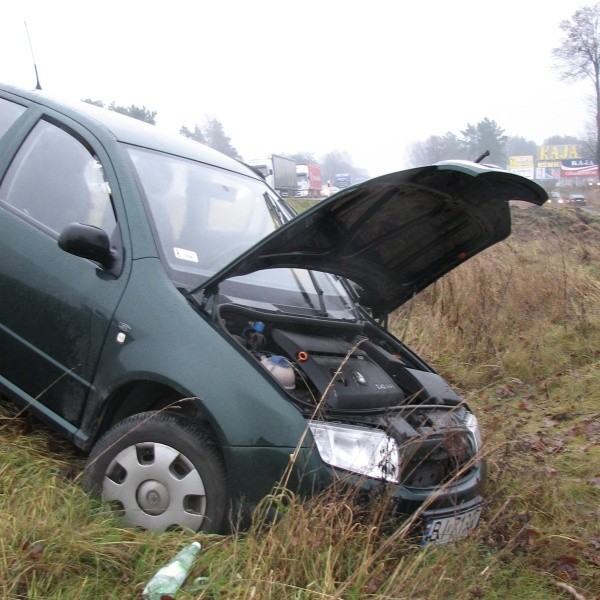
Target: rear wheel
x,y
161,471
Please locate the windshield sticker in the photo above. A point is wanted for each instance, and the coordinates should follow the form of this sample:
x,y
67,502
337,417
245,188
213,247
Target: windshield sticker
x,y
183,254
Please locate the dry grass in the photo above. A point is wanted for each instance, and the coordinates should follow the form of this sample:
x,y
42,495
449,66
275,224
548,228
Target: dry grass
x,y
528,308
517,330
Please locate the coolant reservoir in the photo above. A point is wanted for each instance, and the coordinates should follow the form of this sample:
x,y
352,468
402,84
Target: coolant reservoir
x,y
281,370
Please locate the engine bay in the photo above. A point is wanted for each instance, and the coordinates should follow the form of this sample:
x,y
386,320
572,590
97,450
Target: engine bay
x,y
341,365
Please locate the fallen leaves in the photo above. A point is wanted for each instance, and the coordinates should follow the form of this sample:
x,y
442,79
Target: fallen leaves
x,y
538,443
548,440
566,567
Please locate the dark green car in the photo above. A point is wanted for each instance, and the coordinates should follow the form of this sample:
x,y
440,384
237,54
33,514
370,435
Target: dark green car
x,y
166,311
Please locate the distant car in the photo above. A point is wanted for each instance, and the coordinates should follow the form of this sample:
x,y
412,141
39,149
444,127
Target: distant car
x,y
578,199
167,312
555,197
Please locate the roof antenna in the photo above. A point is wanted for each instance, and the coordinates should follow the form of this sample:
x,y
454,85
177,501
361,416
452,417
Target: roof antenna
x,y
37,79
486,153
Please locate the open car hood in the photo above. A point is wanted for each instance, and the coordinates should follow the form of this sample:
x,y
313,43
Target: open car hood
x,y
395,234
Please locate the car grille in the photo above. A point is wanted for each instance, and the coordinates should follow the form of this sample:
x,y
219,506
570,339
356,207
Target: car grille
x,y
438,458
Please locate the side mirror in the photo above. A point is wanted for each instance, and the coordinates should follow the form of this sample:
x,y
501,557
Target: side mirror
x,y
88,242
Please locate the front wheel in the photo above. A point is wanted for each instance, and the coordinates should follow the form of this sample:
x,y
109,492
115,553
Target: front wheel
x,y
161,471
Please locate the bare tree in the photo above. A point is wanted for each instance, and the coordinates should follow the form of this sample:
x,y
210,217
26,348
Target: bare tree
x,y
578,56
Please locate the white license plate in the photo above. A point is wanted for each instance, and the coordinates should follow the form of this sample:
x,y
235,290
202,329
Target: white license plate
x,y
441,530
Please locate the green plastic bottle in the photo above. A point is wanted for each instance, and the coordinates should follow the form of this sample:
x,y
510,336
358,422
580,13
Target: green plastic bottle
x,y
170,578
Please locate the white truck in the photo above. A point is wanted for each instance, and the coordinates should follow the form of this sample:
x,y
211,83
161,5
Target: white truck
x,y
279,172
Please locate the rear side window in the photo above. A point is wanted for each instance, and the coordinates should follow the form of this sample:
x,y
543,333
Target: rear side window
x,y
9,113
55,180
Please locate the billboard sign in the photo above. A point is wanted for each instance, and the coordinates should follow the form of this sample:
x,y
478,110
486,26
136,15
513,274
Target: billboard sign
x,y
559,152
547,172
521,165
583,167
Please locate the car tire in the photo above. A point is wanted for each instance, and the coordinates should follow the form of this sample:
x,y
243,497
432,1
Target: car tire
x,y
161,471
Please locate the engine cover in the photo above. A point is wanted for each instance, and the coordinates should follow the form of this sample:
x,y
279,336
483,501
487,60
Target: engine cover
x,y
361,383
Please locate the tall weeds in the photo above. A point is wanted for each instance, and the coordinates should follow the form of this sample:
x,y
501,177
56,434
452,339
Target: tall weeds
x,y
510,311
517,329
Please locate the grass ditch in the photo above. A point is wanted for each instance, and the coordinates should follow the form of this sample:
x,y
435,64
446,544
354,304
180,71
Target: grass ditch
x,y
516,330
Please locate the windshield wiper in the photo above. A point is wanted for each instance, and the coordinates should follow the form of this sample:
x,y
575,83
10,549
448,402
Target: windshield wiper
x,y
320,294
275,208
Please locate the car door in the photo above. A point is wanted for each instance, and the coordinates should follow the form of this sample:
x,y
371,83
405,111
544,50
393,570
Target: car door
x,y
55,308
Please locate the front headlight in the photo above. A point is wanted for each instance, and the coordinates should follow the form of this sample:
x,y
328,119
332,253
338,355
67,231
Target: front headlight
x,y
369,452
472,425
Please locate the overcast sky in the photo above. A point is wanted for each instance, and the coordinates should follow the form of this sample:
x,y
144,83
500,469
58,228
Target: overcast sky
x,y
364,77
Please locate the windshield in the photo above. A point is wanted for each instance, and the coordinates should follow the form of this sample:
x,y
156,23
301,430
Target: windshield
x,y
205,217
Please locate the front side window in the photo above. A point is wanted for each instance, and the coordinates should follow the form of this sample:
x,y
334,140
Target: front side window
x,y
9,113
54,180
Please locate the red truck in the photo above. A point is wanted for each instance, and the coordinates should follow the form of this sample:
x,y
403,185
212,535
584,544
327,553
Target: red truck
x,y
309,181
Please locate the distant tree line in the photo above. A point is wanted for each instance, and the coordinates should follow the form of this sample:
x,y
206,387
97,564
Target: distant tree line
x,y
475,140
137,112
470,144
212,133
486,135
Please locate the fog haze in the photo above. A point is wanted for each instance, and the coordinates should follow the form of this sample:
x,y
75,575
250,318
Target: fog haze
x,y
367,78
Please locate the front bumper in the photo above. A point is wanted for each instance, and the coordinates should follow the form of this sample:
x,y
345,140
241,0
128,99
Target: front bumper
x,y
253,471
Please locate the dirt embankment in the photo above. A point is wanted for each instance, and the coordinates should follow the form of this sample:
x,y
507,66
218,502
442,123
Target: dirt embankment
x,y
582,222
